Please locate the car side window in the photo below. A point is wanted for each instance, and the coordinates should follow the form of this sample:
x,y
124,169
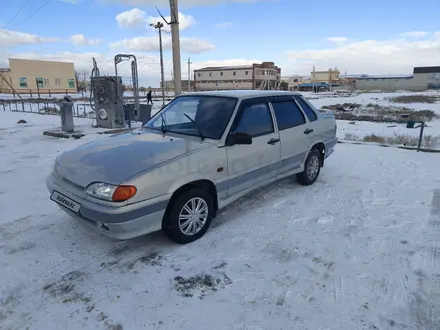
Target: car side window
x,y
255,120
306,108
288,114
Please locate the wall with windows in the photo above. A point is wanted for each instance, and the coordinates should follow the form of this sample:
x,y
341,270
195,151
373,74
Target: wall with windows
x,y
224,78
58,77
224,74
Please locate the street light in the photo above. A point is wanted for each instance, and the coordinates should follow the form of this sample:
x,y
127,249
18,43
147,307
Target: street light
x,y
159,26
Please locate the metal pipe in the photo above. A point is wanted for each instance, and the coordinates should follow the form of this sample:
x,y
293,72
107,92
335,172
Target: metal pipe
x,y
422,128
175,41
162,75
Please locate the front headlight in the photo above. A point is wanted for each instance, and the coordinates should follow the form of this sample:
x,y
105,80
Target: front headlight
x,y
111,192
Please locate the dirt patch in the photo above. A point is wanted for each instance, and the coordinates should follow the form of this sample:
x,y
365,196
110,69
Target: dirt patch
x,y
21,247
201,284
414,99
151,259
65,285
379,113
109,264
221,265
104,318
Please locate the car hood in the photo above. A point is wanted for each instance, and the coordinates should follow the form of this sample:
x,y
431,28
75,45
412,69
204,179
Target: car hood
x,y
118,157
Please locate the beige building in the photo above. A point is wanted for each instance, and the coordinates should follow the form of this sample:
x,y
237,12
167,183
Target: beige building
x,y
265,75
294,81
33,77
330,76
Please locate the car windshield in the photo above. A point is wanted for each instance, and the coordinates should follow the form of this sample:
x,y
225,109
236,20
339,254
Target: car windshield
x,y
205,116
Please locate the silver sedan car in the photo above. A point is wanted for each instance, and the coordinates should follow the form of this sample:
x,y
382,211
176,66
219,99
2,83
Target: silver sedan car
x,y
197,155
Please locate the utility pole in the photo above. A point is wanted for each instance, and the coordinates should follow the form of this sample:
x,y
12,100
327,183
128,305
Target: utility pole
x,y
175,40
189,74
159,26
313,80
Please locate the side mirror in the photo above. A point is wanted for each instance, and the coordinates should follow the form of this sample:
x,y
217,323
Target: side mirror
x,y
238,138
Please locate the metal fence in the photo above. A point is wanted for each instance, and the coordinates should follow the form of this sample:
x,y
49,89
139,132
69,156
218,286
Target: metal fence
x,y
80,110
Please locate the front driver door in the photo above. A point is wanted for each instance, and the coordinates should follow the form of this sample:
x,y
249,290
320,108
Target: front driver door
x,y
249,165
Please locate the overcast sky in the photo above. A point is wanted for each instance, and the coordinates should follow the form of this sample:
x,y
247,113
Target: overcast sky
x,y
374,37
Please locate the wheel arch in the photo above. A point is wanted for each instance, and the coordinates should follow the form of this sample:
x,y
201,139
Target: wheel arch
x,y
321,148
207,185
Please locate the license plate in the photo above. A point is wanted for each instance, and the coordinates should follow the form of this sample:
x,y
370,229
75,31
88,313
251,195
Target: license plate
x,y
65,201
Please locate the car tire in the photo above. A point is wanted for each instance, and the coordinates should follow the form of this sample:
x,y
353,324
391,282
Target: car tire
x,y
179,215
312,168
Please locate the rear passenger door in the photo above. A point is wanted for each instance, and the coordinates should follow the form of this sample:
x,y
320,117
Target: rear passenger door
x,y
294,134
250,165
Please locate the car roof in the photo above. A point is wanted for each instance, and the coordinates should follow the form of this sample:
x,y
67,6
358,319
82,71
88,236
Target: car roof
x,y
245,94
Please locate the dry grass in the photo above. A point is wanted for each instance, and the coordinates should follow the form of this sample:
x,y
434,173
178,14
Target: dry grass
x,y
414,99
374,138
429,141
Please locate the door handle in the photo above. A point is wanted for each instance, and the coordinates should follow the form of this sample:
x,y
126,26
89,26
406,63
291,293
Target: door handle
x,y
273,141
308,131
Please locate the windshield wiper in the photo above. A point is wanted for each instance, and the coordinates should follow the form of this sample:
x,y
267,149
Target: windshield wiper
x,y
163,125
196,126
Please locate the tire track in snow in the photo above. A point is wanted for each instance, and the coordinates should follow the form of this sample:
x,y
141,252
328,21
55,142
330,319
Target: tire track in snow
x,y
403,290
432,256
339,289
383,290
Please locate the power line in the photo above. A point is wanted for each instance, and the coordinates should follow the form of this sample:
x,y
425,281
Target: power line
x,y
27,18
18,12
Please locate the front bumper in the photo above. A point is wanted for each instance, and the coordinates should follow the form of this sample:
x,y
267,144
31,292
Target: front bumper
x,y
122,222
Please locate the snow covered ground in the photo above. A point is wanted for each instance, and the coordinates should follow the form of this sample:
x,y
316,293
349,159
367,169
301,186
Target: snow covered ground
x,y
364,128
357,250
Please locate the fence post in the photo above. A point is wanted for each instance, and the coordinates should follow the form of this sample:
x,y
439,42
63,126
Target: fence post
x,y
38,87
422,127
22,106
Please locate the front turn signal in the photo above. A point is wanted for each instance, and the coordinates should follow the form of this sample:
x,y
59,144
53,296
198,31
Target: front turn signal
x,y
123,193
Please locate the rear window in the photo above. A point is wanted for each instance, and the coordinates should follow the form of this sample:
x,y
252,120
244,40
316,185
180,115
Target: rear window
x,y
288,114
310,113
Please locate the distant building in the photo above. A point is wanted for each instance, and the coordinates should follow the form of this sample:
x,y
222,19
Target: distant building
x,y
430,74
351,78
423,78
169,85
330,76
293,81
33,76
256,76
386,82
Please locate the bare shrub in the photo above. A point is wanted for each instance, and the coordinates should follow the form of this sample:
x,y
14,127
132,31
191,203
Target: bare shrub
x,y
351,137
374,138
403,139
428,141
